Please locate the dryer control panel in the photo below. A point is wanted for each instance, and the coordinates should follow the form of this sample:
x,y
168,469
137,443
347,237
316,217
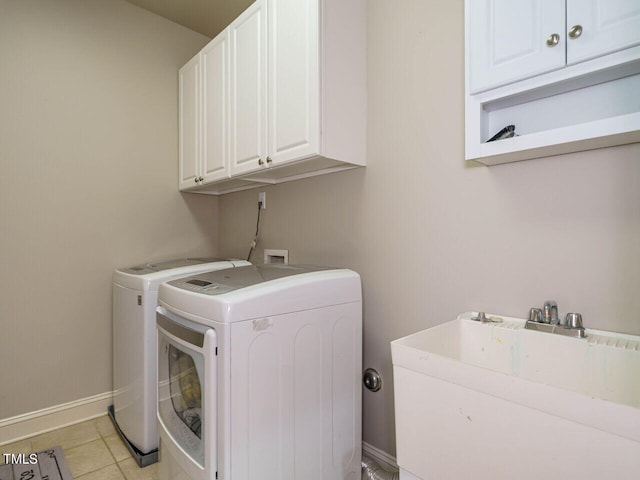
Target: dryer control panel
x,y
204,287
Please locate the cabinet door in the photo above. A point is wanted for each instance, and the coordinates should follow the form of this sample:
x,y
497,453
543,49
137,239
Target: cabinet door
x,y
294,80
215,108
508,40
605,26
248,89
189,123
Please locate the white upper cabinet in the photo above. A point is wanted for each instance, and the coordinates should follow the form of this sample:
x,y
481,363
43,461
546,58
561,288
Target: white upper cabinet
x,y
562,75
598,27
249,89
290,101
511,40
514,39
215,111
203,115
189,123
294,80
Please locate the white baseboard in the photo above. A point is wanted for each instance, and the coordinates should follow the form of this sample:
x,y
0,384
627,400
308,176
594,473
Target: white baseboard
x,y
51,418
385,460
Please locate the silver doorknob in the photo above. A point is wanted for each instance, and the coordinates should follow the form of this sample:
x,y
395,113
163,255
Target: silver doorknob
x,y
553,40
575,31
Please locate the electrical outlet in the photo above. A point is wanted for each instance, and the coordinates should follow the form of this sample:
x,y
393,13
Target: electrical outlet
x,y
262,197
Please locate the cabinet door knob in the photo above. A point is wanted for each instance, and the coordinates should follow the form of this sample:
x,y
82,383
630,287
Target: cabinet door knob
x,y
195,179
260,162
201,179
553,40
575,31
269,160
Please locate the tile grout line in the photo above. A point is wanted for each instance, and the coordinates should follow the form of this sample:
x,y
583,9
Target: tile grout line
x,y
117,462
121,471
99,468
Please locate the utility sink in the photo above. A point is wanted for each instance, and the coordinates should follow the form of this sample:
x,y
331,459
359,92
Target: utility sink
x,y
494,400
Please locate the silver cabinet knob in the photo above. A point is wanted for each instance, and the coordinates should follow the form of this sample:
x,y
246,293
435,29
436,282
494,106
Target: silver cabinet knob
x,y
553,40
575,31
195,179
260,162
269,160
201,179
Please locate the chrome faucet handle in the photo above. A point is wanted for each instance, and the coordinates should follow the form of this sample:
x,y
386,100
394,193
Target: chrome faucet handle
x,y
550,312
535,315
573,320
573,324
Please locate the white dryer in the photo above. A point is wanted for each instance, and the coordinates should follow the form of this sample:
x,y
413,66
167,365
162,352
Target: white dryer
x,y
259,374
135,297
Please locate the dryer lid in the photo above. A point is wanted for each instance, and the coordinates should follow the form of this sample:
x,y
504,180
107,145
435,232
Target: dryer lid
x,y
225,281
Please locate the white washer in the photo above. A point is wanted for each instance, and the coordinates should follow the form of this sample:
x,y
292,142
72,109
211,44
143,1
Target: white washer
x,y
259,374
135,297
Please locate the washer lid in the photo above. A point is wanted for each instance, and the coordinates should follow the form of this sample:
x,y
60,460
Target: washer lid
x,y
225,281
147,268
258,291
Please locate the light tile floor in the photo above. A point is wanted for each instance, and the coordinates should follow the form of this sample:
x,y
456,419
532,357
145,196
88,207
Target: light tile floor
x,y
93,449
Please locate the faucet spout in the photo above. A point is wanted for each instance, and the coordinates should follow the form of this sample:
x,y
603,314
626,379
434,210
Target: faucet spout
x,y
550,312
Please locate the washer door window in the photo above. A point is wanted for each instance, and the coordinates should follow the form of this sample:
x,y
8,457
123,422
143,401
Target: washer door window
x,y
180,395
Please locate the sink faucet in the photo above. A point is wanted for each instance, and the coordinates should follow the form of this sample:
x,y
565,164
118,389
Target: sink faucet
x,y
546,319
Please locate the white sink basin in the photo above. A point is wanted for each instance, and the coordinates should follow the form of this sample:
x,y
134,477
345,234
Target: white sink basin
x,y
493,400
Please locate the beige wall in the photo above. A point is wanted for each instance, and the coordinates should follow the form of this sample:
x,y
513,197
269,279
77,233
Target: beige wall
x,y
88,151
88,159
433,237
